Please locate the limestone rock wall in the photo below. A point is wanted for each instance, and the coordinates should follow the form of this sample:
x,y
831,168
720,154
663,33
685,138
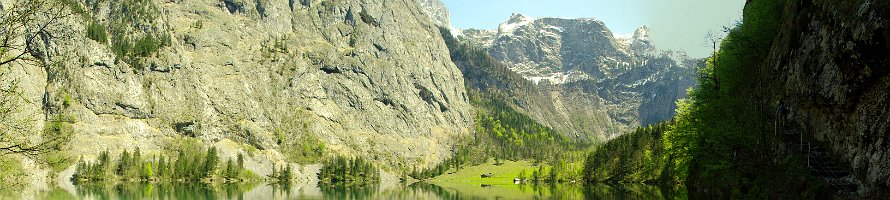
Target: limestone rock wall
x,y
368,77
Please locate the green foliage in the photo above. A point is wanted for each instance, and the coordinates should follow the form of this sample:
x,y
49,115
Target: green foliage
x,y
210,162
135,33
146,46
75,7
633,157
722,144
57,132
11,173
521,175
147,173
297,142
344,171
234,171
124,164
191,165
57,160
96,31
481,71
97,171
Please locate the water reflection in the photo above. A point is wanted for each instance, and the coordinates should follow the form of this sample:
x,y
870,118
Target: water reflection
x,y
162,191
413,191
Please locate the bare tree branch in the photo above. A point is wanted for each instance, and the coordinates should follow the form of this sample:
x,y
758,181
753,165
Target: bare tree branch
x,y
23,25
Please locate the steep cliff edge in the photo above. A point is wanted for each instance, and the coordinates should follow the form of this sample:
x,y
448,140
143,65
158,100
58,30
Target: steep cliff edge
x,y
833,61
367,78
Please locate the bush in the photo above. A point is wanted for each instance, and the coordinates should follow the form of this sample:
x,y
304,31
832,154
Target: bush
x,y
11,173
297,142
96,31
146,46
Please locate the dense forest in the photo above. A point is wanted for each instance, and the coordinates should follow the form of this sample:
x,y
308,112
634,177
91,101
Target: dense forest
x,y
722,143
638,156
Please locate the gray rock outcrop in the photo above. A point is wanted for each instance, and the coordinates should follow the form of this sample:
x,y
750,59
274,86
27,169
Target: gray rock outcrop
x,y
437,12
832,62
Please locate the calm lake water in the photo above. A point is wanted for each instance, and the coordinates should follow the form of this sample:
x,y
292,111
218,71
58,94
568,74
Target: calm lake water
x,y
413,191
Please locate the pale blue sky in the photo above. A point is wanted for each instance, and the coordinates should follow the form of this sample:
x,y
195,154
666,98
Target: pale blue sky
x,y
675,24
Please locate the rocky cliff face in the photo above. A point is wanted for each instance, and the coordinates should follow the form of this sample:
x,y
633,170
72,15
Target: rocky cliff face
x,y
626,82
371,78
833,60
437,12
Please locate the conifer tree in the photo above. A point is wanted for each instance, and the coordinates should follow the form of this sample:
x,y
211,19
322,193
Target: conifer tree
x,y
210,162
162,167
240,161
134,170
123,164
274,174
230,170
286,174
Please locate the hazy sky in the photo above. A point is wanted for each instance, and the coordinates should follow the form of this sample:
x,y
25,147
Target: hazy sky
x,y
675,24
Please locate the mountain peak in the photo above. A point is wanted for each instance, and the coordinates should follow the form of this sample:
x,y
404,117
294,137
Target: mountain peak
x,y
516,20
518,17
642,33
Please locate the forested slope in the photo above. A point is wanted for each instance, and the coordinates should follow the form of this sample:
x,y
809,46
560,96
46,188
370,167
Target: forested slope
x,y
814,70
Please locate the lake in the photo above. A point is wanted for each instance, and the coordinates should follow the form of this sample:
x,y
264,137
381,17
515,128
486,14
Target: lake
x,y
413,191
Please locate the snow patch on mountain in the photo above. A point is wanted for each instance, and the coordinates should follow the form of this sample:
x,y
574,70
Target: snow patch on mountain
x,y
516,20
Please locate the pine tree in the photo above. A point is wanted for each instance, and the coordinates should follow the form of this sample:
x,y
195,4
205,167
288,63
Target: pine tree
x,y
180,166
196,167
147,173
78,172
240,161
210,162
134,170
287,174
162,167
553,175
274,174
230,170
104,159
123,164
522,175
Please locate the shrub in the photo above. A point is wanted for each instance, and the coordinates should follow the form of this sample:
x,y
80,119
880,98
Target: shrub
x,y
146,46
11,172
96,31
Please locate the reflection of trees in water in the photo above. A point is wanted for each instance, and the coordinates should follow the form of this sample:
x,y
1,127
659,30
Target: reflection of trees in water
x,y
196,191
567,191
554,190
418,190
349,192
281,188
632,191
442,193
